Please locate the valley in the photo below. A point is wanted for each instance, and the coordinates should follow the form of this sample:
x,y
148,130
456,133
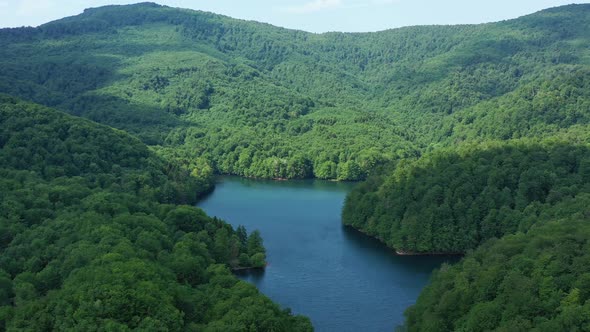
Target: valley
x,y
463,139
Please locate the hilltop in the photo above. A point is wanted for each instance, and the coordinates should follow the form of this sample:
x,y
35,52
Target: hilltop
x,y
255,100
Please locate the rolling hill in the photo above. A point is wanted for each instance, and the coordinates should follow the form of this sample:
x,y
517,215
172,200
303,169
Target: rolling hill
x,y
256,100
473,139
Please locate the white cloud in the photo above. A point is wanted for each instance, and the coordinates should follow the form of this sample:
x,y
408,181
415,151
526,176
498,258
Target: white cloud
x,y
314,6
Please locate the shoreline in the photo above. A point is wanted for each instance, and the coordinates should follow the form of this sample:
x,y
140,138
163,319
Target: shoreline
x,y
398,252
247,268
410,253
217,175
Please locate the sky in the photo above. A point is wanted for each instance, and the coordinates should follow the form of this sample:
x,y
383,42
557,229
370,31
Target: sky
x,y
309,15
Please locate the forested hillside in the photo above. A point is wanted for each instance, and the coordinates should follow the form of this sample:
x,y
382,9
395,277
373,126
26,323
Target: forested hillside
x,y
474,139
91,238
452,200
517,209
246,98
538,281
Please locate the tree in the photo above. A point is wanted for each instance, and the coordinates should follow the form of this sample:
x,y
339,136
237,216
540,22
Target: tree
x,y
255,243
243,237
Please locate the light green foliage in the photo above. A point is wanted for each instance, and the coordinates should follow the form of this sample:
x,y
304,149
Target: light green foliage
x,y
236,97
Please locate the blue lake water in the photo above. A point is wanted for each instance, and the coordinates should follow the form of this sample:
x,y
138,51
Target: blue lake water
x,y
342,280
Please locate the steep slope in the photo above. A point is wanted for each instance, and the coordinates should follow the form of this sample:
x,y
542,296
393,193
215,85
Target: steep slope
x,y
89,238
452,200
517,209
538,281
256,100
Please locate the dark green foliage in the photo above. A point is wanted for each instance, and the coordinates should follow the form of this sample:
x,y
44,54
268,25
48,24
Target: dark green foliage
x,y
55,146
237,97
256,250
89,239
531,195
452,200
88,235
534,281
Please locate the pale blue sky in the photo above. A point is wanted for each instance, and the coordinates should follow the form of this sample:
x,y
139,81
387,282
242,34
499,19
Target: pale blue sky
x,y
309,15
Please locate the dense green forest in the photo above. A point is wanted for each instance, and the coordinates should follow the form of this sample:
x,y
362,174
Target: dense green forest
x,y
538,281
91,237
245,98
473,139
452,200
517,209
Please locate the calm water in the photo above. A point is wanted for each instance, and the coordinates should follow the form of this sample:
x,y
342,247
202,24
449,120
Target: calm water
x,y
342,280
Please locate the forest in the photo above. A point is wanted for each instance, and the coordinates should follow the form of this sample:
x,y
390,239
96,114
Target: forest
x,y
237,97
533,281
453,201
471,139
94,235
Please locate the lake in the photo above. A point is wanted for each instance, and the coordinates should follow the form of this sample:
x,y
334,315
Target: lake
x,y
341,279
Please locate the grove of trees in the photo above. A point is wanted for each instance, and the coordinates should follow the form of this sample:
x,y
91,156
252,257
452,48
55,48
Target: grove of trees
x,y
92,238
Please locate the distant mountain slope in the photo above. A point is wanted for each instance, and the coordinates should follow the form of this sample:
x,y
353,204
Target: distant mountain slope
x,y
90,238
257,100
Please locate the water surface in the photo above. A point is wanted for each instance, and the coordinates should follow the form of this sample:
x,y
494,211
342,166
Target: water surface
x,y
341,279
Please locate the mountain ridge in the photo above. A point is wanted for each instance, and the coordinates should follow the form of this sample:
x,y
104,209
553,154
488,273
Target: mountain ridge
x,y
339,102
149,4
